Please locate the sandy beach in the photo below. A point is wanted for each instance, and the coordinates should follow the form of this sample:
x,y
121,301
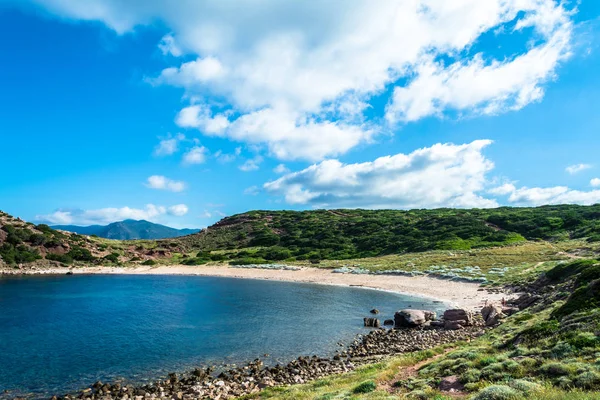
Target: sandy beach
x,y
456,294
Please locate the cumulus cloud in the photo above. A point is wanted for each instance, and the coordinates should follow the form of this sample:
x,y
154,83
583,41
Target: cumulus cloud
x,y
444,175
178,210
168,146
537,196
251,165
573,169
163,183
107,215
281,169
251,191
297,77
595,182
196,155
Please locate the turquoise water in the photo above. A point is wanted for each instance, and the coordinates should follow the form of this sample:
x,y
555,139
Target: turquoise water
x,y
62,333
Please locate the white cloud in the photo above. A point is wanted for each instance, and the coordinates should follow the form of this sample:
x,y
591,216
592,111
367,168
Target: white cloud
x,y
573,169
595,182
178,210
281,169
168,146
252,164
298,76
225,157
206,214
537,196
252,191
168,46
196,155
163,183
107,215
503,190
444,175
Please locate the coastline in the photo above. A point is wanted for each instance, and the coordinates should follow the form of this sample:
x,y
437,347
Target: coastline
x,y
457,294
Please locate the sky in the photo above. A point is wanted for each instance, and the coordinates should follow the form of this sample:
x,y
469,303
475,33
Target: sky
x,y
184,112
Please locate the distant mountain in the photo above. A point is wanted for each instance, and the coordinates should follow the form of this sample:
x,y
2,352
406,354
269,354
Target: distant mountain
x,y
128,230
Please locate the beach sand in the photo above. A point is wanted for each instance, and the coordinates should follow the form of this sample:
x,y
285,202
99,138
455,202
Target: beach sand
x,y
453,293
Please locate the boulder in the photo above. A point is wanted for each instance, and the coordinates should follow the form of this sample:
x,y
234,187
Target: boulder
x,y
388,322
412,318
492,314
374,311
510,310
371,322
453,325
527,300
458,316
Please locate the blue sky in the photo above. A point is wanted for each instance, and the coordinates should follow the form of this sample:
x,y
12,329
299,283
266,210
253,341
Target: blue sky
x,y
183,114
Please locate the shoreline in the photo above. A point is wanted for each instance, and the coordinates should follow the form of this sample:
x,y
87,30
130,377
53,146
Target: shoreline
x,y
452,293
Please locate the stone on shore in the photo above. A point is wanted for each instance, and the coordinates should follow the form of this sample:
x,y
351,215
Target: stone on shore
x,y
492,314
457,319
371,322
412,318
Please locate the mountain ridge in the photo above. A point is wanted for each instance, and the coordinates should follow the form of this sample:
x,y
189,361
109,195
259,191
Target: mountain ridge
x,y
128,229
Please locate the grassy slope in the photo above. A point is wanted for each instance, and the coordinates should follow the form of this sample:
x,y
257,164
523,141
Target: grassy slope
x,y
345,234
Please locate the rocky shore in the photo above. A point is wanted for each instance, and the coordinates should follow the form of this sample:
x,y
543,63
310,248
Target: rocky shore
x,y
251,378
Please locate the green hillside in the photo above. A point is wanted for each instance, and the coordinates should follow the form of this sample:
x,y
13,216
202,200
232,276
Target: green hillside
x,y
343,234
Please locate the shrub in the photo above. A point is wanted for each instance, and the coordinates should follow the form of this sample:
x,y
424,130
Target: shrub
x,y
561,350
487,361
81,254
195,261
248,261
470,376
62,258
583,339
149,262
365,387
112,257
555,369
37,239
498,392
587,380
524,386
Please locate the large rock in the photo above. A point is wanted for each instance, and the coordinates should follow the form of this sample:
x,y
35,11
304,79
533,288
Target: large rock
x,y
412,318
492,314
458,316
371,322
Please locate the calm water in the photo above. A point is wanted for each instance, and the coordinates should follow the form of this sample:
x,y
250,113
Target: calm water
x,y
62,333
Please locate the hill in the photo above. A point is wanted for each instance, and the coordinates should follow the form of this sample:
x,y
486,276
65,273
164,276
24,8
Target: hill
x,y
128,230
344,234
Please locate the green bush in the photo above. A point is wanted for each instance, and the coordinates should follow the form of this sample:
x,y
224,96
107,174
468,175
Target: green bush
x,y
149,262
524,386
248,261
498,392
112,257
81,254
62,258
365,387
587,380
555,369
195,261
